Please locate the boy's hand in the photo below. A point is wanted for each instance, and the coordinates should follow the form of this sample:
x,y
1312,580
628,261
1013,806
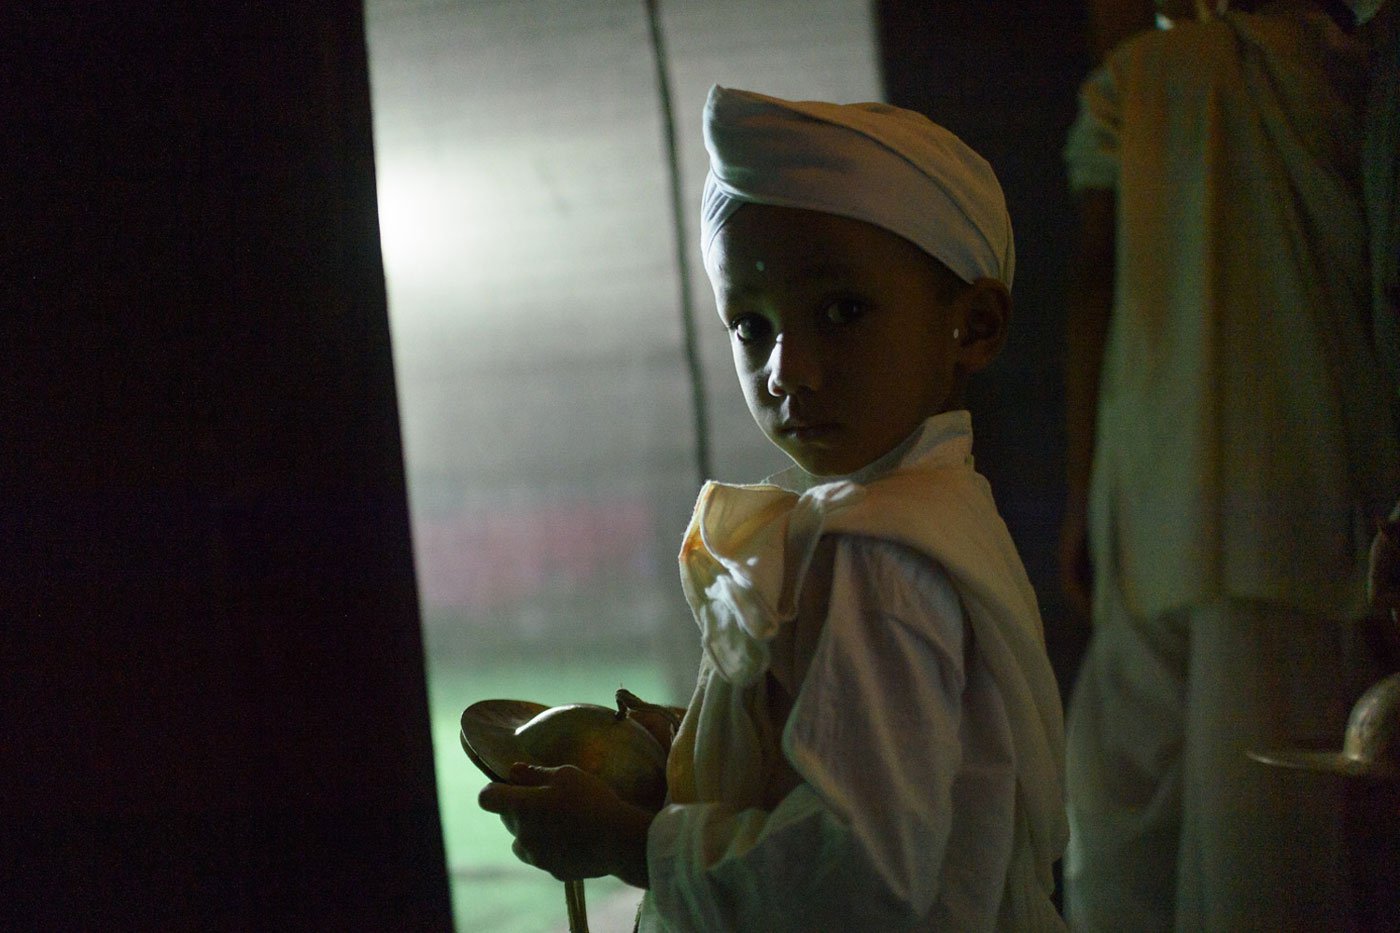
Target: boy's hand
x,y
663,722
570,823
1382,626
1383,579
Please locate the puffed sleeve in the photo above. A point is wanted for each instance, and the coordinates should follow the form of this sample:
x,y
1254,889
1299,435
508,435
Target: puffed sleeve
x,y
1091,151
874,737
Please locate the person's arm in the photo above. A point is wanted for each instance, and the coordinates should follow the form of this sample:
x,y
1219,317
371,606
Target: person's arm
x,y
873,740
1089,307
1092,162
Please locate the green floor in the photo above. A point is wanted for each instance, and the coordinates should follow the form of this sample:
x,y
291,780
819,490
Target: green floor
x,y
491,890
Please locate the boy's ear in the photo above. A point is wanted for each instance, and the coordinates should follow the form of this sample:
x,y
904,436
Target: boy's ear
x,y
985,310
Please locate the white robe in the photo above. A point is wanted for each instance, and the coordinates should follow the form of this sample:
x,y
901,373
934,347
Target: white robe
x,y
1245,437
926,736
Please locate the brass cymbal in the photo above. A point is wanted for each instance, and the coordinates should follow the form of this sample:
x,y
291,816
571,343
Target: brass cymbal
x,y
489,726
608,743
1371,747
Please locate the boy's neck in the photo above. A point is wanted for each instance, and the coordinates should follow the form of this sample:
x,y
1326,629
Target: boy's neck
x,y
931,432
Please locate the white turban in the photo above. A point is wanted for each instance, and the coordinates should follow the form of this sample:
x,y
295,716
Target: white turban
x,y
889,167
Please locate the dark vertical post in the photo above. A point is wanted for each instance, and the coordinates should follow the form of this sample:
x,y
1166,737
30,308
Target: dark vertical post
x,y
212,704
1004,76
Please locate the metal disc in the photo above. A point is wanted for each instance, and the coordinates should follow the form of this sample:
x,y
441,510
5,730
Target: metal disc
x,y
1299,759
489,734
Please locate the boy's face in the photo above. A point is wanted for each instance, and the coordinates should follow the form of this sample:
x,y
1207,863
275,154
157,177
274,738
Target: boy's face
x,y
842,333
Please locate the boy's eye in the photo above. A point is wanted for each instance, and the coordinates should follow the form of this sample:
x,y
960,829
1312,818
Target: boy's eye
x,y
748,328
843,310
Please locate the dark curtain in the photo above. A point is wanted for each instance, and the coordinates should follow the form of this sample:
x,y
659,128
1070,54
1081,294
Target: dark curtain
x,y
214,711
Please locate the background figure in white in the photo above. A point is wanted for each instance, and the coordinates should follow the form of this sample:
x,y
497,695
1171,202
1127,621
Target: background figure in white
x,y
1225,396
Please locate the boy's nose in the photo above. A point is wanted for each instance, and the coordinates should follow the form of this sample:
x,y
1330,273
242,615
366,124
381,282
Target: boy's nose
x,y
792,368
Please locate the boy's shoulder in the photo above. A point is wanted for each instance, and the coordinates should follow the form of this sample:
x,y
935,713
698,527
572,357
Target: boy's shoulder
x,y
920,501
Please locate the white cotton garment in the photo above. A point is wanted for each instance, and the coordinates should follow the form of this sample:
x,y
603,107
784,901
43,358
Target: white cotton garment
x,y
873,162
925,744
1245,433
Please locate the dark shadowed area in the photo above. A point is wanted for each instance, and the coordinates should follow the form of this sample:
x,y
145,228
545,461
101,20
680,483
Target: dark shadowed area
x,y
214,699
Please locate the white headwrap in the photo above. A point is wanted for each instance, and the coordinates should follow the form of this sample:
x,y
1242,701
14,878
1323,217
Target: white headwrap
x,y
884,165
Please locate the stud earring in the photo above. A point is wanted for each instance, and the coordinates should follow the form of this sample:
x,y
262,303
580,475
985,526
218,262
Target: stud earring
x,y
955,333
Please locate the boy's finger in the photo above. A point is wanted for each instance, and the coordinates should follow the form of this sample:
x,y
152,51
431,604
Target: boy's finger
x,y
498,797
490,799
526,775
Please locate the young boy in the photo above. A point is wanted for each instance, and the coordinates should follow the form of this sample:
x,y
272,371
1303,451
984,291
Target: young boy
x,y
875,740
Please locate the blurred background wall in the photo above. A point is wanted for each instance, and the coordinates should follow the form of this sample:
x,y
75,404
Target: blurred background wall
x,y
553,434
550,420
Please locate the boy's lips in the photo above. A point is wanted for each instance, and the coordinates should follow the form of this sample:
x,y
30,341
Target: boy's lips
x,y
804,430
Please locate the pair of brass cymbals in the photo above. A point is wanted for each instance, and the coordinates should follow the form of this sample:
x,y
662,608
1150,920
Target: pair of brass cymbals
x,y
628,756
609,743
